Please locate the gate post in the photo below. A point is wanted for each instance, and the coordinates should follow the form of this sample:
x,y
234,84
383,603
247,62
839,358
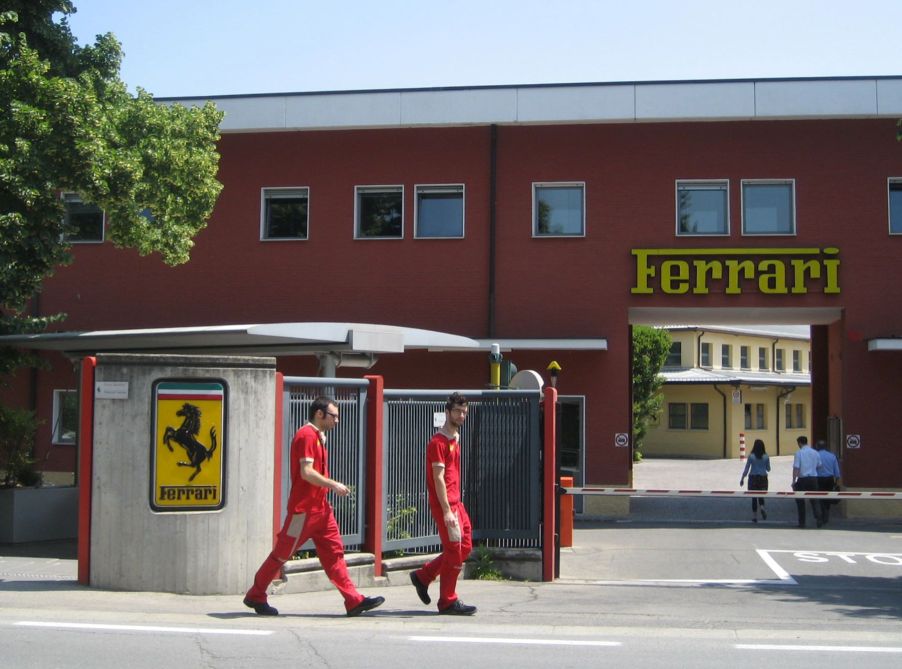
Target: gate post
x,y
372,541
549,484
85,467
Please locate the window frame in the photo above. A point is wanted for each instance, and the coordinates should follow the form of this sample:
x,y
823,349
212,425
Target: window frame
x,y
55,437
779,360
439,188
762,358
536,185
796,361
670,416
890,182
769,182
728,350
745,357
264,191
361,190
693,406
705,352
676,351
74,198
708,185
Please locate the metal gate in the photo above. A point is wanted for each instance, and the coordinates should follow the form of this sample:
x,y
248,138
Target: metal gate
x,y
347,446
501,470
500,466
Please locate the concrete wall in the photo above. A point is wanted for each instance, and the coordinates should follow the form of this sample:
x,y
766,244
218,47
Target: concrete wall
x,y
134,548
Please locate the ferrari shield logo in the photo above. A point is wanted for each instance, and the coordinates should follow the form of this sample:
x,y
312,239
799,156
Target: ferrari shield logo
x,y
189,445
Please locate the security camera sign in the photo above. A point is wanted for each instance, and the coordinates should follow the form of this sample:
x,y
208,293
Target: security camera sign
x,y
622,439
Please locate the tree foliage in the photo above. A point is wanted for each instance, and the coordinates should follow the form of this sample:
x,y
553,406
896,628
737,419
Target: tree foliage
x,y
68,124
650,349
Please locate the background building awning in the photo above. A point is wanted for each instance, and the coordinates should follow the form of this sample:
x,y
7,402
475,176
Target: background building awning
x,y
885,344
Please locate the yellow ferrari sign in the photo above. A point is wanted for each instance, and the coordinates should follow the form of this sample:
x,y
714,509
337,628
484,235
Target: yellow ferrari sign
x,y
189,449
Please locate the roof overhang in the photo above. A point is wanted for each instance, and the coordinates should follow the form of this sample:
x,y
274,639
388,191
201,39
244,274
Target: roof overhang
x,y
271,339
885,344
560,344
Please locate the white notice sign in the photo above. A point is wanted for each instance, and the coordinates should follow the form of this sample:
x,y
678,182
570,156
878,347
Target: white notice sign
x,y
111,390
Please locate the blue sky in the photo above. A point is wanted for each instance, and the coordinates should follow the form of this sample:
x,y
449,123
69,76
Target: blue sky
x,y
221,47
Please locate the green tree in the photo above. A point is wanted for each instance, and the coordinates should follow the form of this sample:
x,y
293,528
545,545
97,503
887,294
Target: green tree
x,y
650,349
68,124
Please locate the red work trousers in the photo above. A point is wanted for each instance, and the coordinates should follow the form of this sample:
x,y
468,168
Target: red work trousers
x,y
319,525
447,566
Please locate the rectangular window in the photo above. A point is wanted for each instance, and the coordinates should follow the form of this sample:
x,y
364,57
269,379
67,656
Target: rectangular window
x,y
895,206
702,208
795,416
698,419
768,208
800,415
439,212
744,357
676,416
675,356
84,222
754,417
779,366
558,210
797,361
706,354
379,212
762,358
284,213
790,416
65,416
726,353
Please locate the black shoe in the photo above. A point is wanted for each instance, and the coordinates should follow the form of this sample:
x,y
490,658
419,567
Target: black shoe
x,y
422,590
458,608
261,608
367,604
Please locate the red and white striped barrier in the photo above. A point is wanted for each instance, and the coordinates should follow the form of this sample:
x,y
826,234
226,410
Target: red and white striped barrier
x,y
633,492
742,446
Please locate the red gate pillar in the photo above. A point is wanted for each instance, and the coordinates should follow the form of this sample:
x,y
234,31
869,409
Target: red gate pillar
x,y
372,542
85,467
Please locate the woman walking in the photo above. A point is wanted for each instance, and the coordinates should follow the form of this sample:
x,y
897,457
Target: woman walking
x,y
756,468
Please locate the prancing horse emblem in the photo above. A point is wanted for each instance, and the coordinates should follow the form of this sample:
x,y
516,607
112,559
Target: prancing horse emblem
x,y
186,437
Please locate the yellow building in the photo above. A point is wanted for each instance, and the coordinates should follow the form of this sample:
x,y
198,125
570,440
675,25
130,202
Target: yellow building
x,y
726,382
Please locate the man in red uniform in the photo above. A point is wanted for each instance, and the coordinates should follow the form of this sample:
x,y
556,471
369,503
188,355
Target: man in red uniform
x,y
443,481
310,516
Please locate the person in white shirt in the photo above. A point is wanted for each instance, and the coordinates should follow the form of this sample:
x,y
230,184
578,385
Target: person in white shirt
x,y
827,476
804,477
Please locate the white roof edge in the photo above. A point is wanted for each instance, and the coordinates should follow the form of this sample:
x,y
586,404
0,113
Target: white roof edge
x,y
885,344
560,344
663,101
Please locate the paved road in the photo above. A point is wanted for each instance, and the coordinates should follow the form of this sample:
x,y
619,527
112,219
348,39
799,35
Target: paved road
x,y
674,585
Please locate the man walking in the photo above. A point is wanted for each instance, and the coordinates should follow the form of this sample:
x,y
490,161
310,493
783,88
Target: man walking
x,y
448,512
804,477
828,476
310,516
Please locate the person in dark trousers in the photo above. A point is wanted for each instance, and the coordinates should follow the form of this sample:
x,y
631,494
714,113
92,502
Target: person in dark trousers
x,y
310,516
804,478
756,468
448,512
828,476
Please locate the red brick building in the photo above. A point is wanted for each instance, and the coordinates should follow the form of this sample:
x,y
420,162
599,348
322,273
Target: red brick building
x,y
564,214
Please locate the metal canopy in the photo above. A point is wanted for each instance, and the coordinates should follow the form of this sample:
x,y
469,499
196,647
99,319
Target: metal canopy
x,y
275,339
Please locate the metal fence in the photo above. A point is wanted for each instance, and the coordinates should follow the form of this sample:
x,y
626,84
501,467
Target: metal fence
x,y
500,461
346,446
500,467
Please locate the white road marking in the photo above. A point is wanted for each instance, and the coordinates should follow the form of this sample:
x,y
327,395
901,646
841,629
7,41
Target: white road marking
x,y
143,628
513,641
781,573
820,649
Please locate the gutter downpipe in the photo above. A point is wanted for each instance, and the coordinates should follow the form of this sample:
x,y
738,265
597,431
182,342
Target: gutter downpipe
x,y
493,190
783,393
724,396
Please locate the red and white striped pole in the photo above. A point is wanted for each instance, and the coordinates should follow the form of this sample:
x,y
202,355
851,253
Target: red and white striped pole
x,y
742,445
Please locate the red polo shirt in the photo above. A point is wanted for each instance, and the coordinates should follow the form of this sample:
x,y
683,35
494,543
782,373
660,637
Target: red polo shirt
x,y
308,445
445,451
